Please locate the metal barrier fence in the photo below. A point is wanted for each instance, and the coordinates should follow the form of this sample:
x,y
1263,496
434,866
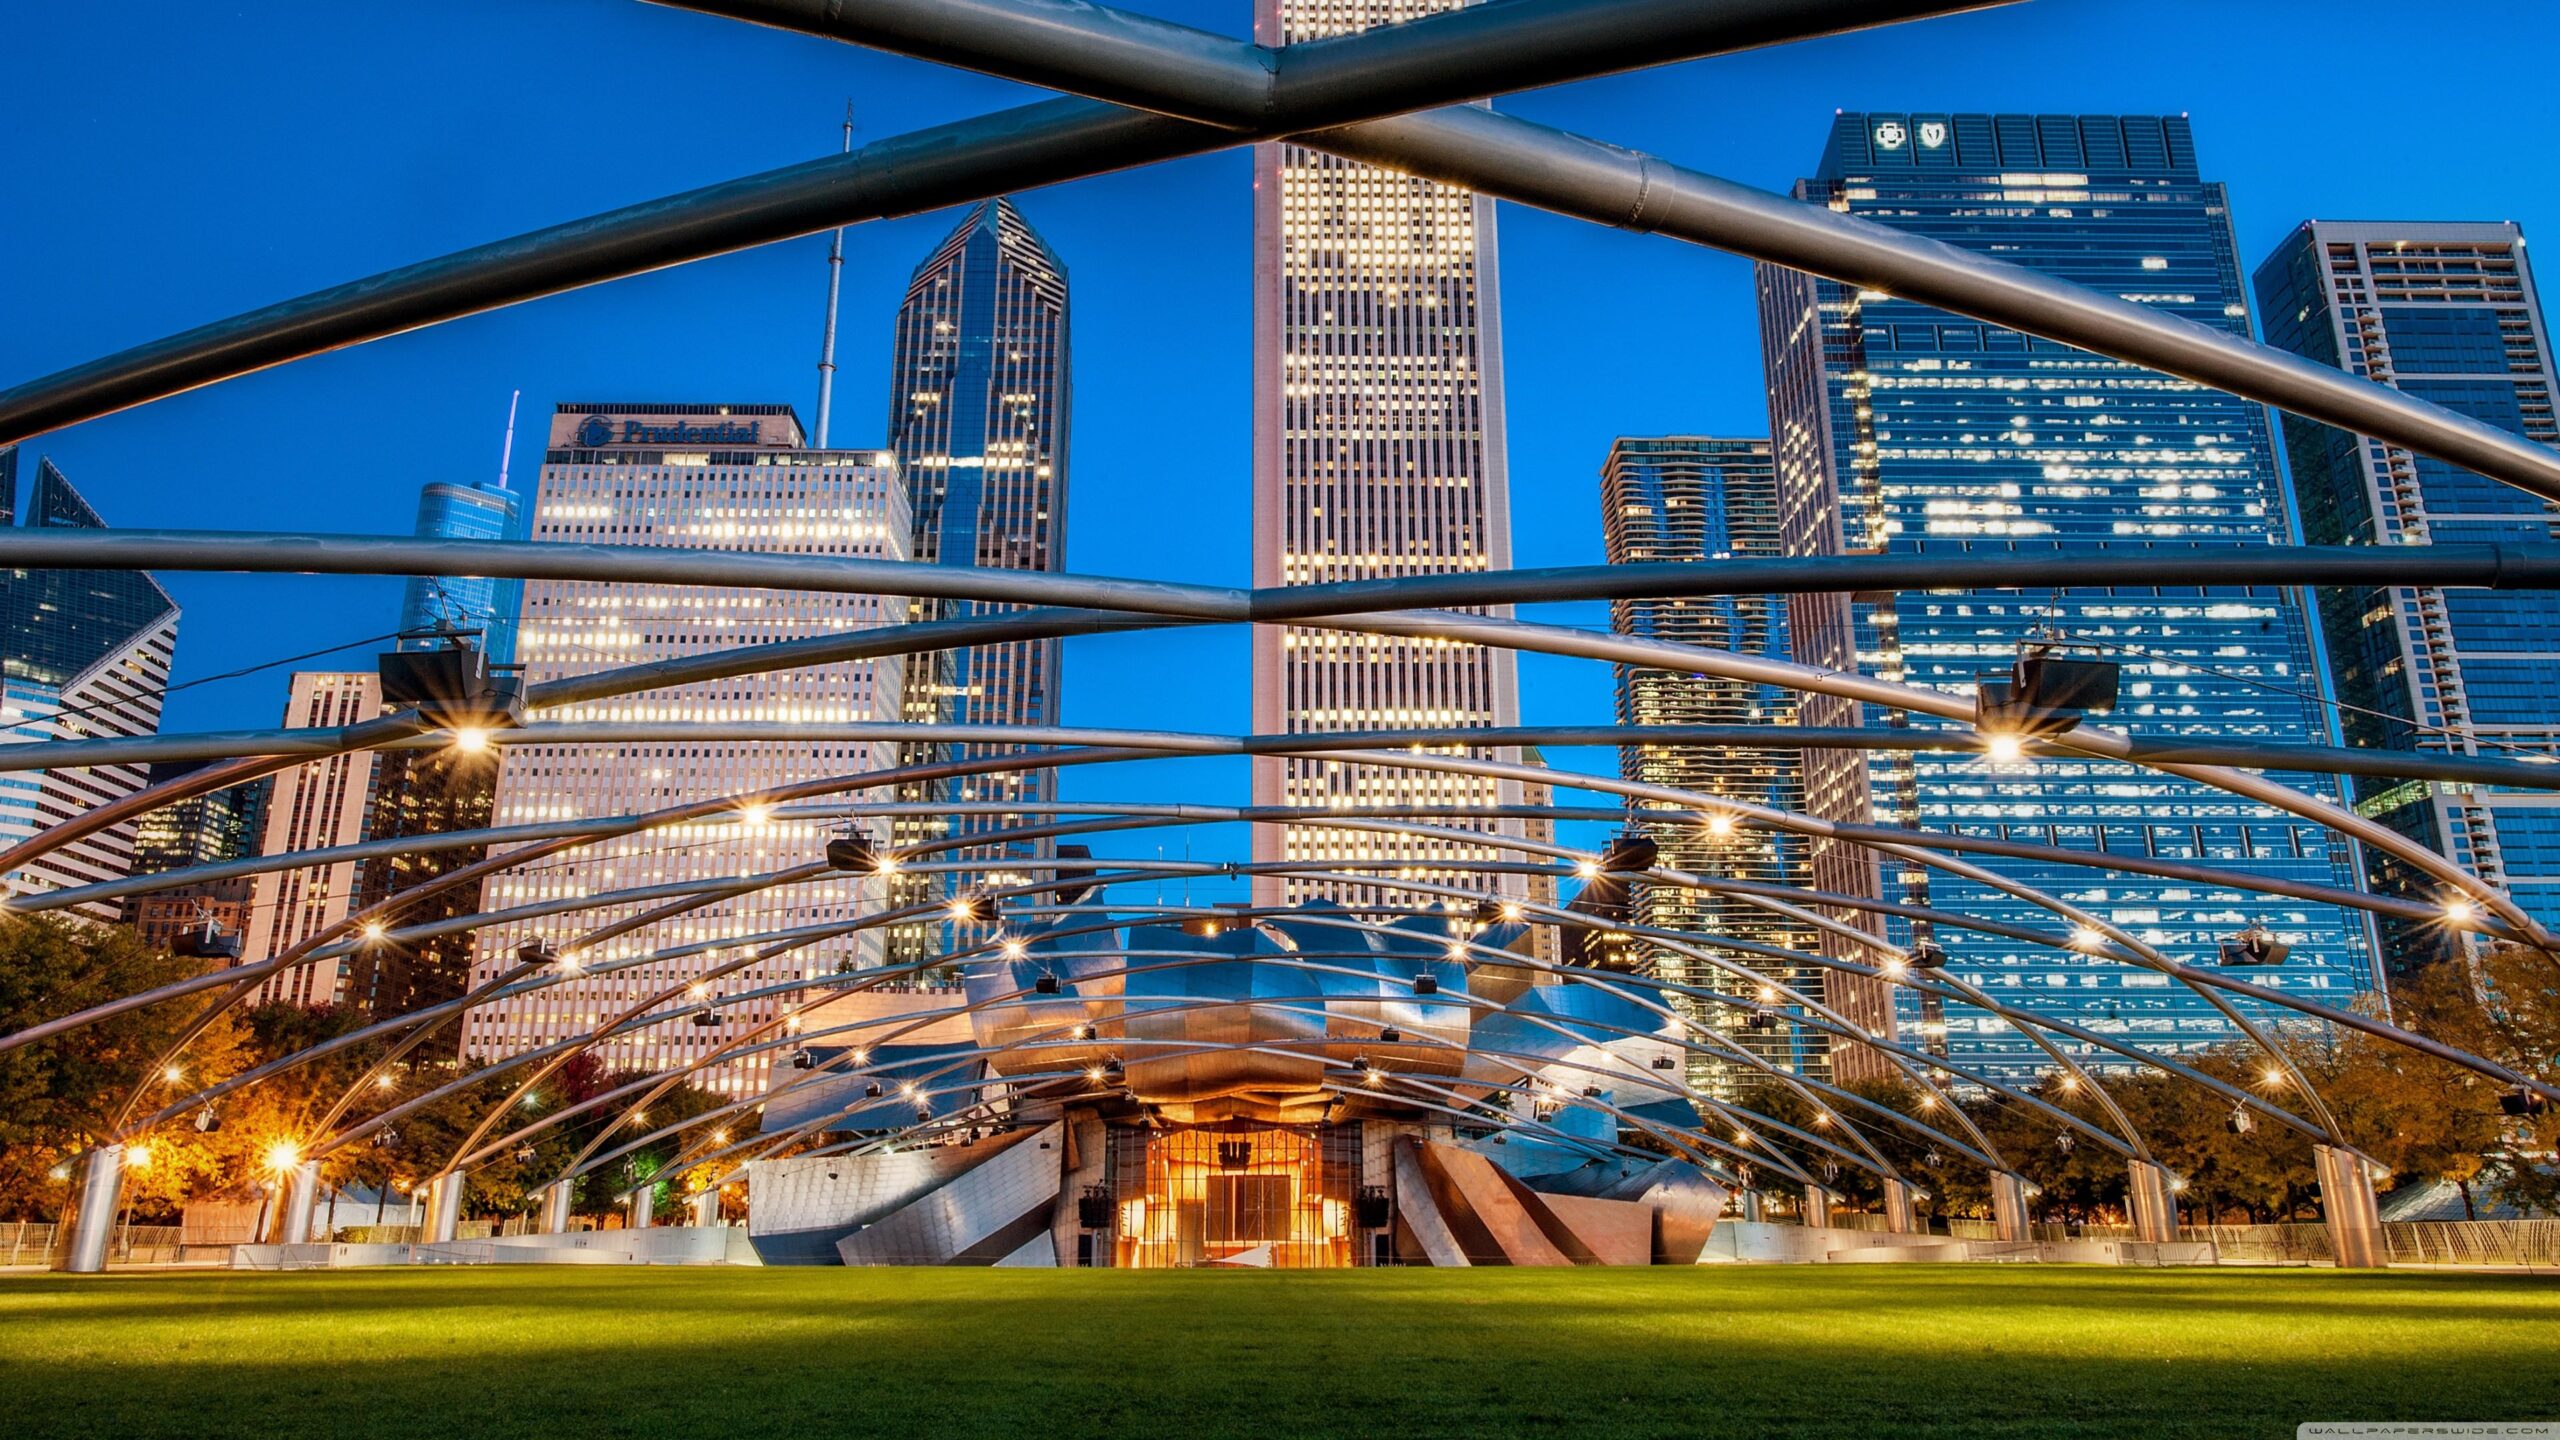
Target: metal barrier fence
x,y
2475,1242
2530,1243
31,1243
25,1244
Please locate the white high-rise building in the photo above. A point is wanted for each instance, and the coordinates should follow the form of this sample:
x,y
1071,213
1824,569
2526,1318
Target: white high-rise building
x,y
1378,451
725,477
314,806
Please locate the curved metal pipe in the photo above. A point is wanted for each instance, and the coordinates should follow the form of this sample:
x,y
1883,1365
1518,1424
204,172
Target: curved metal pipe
x,y
1018,149
308,743
1097,51
1159,744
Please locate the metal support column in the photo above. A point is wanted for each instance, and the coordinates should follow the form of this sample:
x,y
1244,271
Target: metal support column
x,y
89,1221
444,1208
301,1198
2009,1208
643,1207
555,1207
1755,1206
706,1209
2348,1208
1900,1216
2150,1202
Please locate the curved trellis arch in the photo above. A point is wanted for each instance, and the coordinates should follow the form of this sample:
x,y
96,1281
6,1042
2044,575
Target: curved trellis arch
x,y
1150,91
312,949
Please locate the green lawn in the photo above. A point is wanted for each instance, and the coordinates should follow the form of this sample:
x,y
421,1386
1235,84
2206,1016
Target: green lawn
x,y
1885,1351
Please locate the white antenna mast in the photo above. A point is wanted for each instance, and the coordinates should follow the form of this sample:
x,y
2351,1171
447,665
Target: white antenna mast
x,y
835,286
507,448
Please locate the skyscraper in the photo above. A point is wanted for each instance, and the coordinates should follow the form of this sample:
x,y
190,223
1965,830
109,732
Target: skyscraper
x,y
415,793
464,512
1902,429
727,477
2447,312
1698,500
429,792
317,805
1378,451
205,829
978,411
84,655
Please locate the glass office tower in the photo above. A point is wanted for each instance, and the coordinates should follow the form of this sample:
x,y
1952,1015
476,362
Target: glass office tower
x,y
205,829
465,512
978,406
1697,500
2448,313
1903,429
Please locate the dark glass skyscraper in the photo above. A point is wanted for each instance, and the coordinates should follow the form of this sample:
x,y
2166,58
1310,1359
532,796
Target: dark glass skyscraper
x,y
84,654
2448,313
1698,500
429,792
1902,429
202,829
415,793
978,408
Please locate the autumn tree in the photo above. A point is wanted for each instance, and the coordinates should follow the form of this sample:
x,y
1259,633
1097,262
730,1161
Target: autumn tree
x,y
61,1096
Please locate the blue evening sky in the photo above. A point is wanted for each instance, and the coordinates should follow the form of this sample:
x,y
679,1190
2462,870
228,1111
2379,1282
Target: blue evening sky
x,y
168,164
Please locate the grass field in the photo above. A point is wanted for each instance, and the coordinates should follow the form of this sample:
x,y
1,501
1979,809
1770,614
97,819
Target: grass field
x,y
1885,1351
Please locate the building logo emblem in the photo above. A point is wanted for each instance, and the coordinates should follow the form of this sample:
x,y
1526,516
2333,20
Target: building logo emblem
x,y
1932,134
594,433
1890,135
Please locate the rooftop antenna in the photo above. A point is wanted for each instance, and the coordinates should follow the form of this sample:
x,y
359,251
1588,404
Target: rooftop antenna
x,y
835,286
507,449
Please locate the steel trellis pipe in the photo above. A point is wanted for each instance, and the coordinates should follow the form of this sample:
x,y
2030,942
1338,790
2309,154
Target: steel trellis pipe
x,y
1019,149
1515,160
1435,762
1061,1037
2522,566
321,741
1675,942
2088,740
555,1054
1608,785
1681,944
1165,960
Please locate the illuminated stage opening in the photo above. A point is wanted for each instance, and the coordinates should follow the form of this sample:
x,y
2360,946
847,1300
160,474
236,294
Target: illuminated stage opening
x,y
1234,1197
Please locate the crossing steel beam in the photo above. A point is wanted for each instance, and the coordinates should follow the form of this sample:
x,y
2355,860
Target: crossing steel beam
x,y
969,160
